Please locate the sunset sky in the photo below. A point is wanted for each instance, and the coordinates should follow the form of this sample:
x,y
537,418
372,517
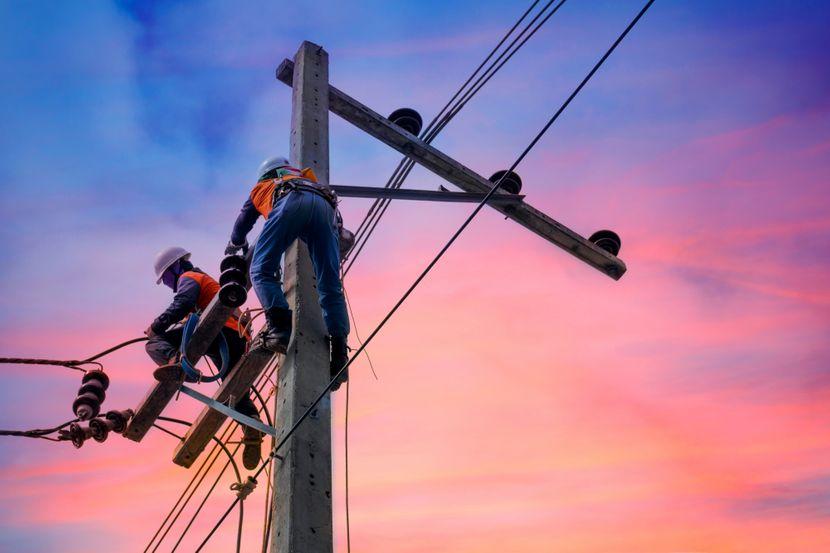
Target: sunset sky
x,y
525,402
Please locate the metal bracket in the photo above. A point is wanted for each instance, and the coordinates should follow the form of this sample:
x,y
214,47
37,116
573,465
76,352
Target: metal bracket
x,y
232,413
443,195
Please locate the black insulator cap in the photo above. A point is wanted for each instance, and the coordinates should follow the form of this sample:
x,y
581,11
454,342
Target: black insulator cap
x,y
78,434
234,262
119,419
233,294
86,406
511,183
97,375
100,429
408,119
93,387
608,240
232,275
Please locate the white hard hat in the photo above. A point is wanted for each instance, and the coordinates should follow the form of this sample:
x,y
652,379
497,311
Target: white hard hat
x,y
272,163
166,258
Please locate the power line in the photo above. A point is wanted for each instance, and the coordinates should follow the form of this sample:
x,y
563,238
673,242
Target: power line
x,y
38,432
228,431
430,134
470,78
434,261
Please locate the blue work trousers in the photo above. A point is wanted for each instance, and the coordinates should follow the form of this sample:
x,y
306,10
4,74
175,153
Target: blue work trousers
x,y
309,217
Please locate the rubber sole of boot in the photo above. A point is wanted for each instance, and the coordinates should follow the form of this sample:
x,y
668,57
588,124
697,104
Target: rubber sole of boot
x,y
275,346
252,452
340,381
169,373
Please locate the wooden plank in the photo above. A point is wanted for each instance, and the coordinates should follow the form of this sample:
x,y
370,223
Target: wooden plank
x,y
238,382
149,409
444,166
302,506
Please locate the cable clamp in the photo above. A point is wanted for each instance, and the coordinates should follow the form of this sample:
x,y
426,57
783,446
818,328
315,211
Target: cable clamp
x,y
244,490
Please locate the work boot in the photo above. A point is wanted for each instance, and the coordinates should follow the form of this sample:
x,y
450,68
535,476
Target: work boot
x,y
278,331
339,357
171,372
252,452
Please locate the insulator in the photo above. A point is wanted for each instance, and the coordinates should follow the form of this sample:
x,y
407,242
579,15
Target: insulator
x,y
97,375
119,419
100,428
93,387
512,182
233,294
86,406
232,275
408,119
234,262
608,240
79,434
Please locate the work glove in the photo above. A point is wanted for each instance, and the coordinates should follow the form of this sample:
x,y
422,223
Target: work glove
x,y
232,249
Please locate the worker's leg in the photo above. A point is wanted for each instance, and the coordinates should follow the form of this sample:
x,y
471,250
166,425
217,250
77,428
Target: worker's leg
x,y
162,348
251,438
280,230
323,243
236,349
324,247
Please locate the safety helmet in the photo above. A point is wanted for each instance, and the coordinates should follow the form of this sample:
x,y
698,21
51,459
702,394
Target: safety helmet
x,y
272,163
166,258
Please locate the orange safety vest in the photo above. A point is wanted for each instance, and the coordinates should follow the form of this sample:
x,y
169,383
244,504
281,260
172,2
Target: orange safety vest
x,y
207,289
262,195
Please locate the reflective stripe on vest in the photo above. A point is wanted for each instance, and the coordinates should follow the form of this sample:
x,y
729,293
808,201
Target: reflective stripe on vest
x,y
208,288
262,195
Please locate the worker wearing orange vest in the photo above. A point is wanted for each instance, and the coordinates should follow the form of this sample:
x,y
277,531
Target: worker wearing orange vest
x,y
295,206
193,292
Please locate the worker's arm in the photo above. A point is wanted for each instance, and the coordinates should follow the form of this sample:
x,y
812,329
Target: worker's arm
x,y
243,225
184,302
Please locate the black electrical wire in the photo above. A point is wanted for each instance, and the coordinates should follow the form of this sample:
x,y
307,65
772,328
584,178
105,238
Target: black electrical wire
x,y
429,134
37,432
231,462
75,365
226,434
434,261
461,88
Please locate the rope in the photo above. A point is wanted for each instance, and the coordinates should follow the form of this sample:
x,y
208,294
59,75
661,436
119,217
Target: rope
x,y
244,490
432,263
346,468
69,364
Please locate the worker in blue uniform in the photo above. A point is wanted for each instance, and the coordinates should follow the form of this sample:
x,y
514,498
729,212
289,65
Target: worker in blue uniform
x,y
194,291
295,206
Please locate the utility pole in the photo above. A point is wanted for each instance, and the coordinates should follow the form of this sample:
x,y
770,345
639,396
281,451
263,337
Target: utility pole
x,y
301,511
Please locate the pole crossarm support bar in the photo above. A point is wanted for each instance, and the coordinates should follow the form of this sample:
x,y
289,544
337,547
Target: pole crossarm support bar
x,y
348,191
444,166
232,413
234,386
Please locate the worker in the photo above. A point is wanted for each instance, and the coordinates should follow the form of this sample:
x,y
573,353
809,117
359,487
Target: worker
x,y
193,291
294,206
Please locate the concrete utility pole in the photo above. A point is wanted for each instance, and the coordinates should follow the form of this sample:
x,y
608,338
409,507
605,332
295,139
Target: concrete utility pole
x,y
302,519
